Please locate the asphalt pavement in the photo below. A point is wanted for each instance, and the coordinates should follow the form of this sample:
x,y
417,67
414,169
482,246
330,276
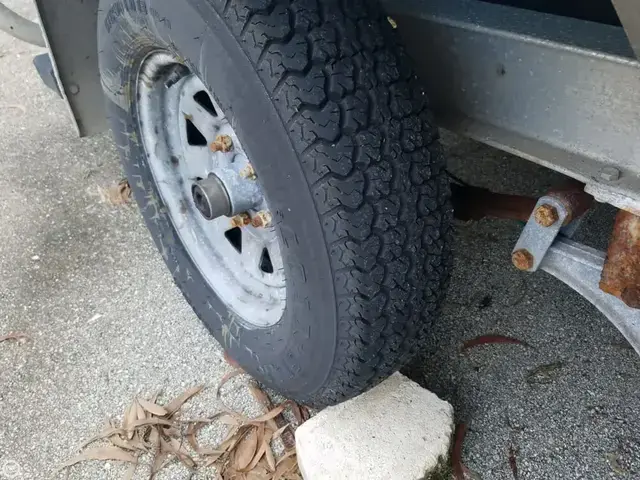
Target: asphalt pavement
x,y
83,280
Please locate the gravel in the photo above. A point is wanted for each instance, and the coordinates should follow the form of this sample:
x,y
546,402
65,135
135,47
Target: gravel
x,y
84,281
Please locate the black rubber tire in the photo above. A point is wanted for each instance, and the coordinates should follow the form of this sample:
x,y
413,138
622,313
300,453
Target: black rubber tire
x,y
336,124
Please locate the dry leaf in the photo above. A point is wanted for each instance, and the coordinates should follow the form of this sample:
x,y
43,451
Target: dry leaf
x,y
177,448
285,465
488,339
14,336
130,471
271,461
265,401
153,408
246,450
305,413
297,414
513,462
116,194
148,421
545,373
278,432
102,453
174,405
140,412
226,377
130,416
104,434
456,455
117,441
158,461
268,416
263,446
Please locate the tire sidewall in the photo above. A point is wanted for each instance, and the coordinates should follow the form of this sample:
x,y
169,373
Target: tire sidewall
x,y
296,355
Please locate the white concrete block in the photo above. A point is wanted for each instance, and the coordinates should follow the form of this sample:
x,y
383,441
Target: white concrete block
x,y
396,431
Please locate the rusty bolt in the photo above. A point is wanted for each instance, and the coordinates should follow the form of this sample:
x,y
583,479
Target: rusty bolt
x,y
522,259
241,220
261,219
223,143
248,172
546,215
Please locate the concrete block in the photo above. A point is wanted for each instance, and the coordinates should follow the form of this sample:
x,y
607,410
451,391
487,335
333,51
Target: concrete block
x,y
396,431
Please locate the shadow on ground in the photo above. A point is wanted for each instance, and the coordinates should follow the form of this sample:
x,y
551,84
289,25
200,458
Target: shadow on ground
x,y
568,405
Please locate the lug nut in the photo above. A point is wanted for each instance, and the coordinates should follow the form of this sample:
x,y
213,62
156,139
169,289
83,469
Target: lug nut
x,y
241,220
223,143
546,215
261,219
522,259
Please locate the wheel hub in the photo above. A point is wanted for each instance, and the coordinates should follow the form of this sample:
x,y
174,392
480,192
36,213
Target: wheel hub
x,y
209,187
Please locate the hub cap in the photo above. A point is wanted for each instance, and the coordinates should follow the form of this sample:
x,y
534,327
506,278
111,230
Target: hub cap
x,y
204,178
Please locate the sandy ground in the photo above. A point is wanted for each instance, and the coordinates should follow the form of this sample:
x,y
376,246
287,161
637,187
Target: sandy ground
x,y
105,321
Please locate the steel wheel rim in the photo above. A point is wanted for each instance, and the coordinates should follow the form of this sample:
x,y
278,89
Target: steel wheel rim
x,y
244,266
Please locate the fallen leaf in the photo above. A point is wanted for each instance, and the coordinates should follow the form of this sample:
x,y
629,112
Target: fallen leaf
x,y
297,414
116,194
269,415
178,449
140,412
262,449
176,404
284,466
513,462
102,453
489,339
278,432
246,450
151,407
271,461
545,373
456,454
109,431
305,413
265,401
130,471
130,416
14,336
226,377
148,421
158,461
614,462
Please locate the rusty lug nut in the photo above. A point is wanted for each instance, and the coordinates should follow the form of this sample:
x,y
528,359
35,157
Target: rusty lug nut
x,y
546,215
222,143
261,219
248,172
522,259
241,220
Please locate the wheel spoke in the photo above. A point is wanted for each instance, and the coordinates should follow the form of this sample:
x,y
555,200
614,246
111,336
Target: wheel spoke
x,y
180,120
252,247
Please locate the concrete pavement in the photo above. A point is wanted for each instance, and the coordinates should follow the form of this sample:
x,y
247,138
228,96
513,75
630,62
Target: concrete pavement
x,y
105,321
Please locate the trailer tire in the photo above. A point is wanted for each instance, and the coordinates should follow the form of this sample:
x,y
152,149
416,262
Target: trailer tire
x,y
337,126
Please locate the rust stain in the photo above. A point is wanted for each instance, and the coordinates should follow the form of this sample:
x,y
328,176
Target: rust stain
x,y
546,215
475,203
241,220
621,272
574,199
522,259
222,143
261,219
